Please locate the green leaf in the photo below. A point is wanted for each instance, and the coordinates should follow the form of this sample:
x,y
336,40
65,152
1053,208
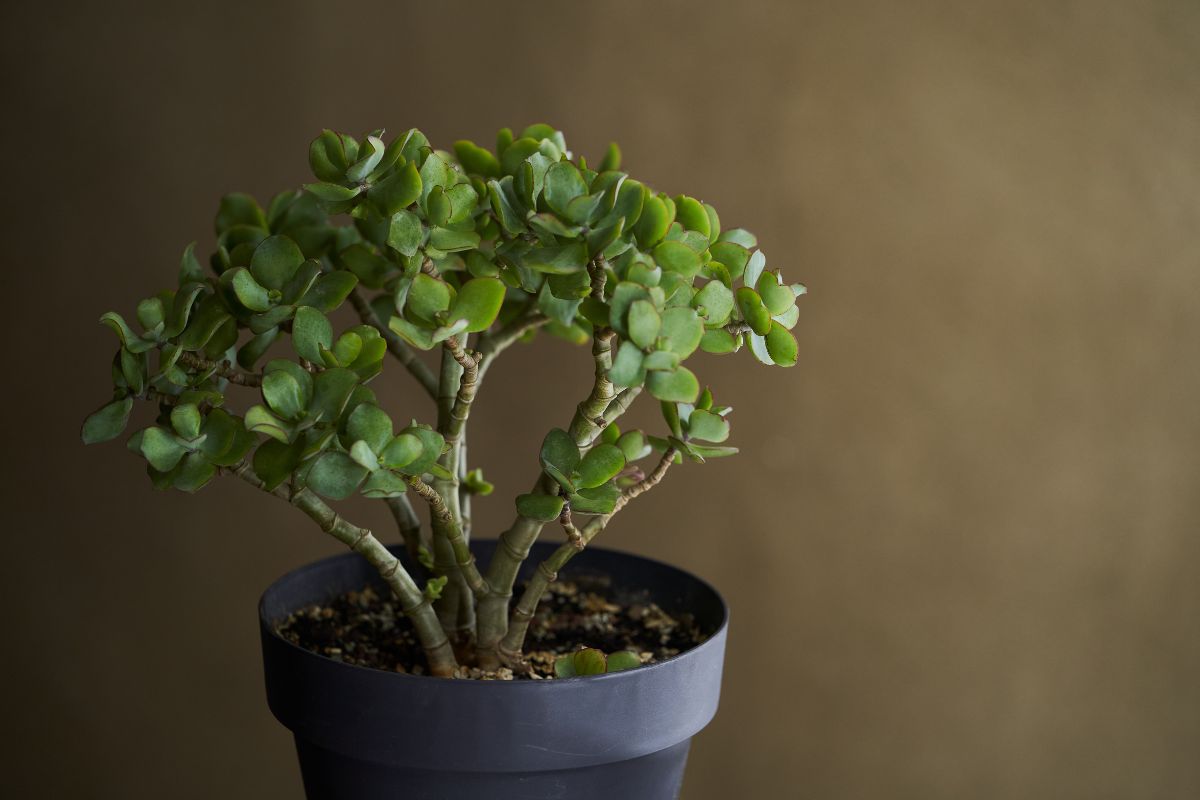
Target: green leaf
x,y
781,345
452,241
677,257
732,255
330,290
633,445
714,302
612,158
382,483
190,270
370,154
718,340
476,160
432,445
754,268
260,420
420,338
249,293
331,391
185,419
346,349
370,424
284,395
776,295
364,456
739,236
599,465
681,331
131,341
274,461
478,302
652,224
397,191
161,449
193,473
644,323
558,259
753,310
598,500
336,475
713,451
405,233
679,385
559,456
623,660
714,223
332,192
238,209
660,360
427,297
563,183
707,426
108,422
326,157
628,369
500,193
311,331
670,412
691,215
401,451
540,507
275,261
438,206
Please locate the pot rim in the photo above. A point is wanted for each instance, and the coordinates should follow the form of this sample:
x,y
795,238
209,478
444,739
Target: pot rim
x,y
714,639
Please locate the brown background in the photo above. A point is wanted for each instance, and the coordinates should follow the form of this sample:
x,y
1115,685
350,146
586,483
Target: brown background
x,y
961,542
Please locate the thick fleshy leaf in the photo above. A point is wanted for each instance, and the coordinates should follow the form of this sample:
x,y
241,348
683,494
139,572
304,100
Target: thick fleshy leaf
x,y
397,191
382,483
633,444
239,209
330,290
714,302
679,385
597,500
274,461
707,426
718,340
420,338
781,345
541,507
557,259
370,424
559,455
589,661
364,456
186,419
275,261
478,302
311,332
691,215
563,183
432,445
249,292
652,224
452,241
336,475
332,192
677,257
427,297
401,451
754,268
681,331
405,233
753,310
331,392
732,255
644,323
660,360
108,422
599,465
476,160
260,420
161,449
776,295
628,369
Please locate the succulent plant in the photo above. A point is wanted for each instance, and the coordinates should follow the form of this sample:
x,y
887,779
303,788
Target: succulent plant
x,y
590,661
463,253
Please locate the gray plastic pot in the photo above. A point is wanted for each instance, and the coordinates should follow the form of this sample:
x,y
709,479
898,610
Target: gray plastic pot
x,y
366,734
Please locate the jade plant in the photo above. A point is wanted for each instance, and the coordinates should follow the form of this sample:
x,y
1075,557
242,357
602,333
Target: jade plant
x,y
254,373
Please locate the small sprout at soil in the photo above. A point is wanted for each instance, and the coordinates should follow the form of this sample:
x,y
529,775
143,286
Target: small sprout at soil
x,y
590,661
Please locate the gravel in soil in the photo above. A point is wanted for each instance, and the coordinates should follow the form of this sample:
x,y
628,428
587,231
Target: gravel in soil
x,y
366,628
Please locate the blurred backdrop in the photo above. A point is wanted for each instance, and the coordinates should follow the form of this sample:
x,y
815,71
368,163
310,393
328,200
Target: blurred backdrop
x,y
961,543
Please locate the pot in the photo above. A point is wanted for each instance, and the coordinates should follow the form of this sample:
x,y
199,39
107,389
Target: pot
x,y
365,733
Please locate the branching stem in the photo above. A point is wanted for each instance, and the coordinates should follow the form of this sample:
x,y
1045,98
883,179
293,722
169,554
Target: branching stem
x,y
221,368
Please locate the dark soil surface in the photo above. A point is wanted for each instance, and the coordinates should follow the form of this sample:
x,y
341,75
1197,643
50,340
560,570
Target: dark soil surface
x,y
366,628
